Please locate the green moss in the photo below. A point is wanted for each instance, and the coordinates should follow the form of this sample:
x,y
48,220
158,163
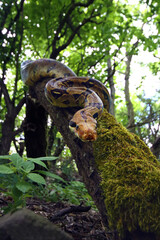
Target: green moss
x,y
130,178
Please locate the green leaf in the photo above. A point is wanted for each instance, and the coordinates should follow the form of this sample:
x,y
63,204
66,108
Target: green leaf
x,y
5,157
38,161
36,178
5,170
52,175
24,186
28,166
43,158
16,193
17,160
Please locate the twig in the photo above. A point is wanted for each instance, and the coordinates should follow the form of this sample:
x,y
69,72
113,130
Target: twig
x,y
71,209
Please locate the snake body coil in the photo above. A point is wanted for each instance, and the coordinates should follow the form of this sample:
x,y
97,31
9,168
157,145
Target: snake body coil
x,y
67,90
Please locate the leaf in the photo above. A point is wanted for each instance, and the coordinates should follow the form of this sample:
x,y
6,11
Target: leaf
x,y
36,178
43,158
24,186
52,175
38,161
5,170
5,157
16,193
17,160
28,166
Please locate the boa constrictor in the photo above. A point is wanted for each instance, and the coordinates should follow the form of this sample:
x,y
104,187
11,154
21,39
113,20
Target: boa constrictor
x,y
65,90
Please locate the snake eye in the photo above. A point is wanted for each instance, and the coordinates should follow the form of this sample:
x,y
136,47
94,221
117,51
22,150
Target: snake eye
x,y
72,124
77,127
95,115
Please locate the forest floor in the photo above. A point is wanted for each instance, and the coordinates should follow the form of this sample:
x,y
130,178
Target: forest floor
x,y
80,225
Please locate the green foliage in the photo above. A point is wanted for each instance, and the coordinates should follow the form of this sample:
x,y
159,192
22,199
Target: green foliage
x,y
20,180
18,177
155,67
146,115
73,192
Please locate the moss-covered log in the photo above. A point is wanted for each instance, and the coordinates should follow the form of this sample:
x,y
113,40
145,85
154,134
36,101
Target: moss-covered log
x,y
130,179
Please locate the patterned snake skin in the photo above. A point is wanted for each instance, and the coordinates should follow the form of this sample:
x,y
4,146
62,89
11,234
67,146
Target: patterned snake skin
x,y
67,90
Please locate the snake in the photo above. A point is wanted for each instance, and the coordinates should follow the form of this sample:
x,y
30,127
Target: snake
x,y
64,89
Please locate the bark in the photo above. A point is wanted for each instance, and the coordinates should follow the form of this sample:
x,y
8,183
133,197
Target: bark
x,y
35,130
8,133
130,110
111,85
156,148
129,104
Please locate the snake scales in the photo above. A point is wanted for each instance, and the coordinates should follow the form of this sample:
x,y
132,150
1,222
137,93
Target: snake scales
x,y
65,90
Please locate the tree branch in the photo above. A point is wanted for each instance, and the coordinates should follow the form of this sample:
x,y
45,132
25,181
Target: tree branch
x,y
17,59
6,95
73,35
150,119
63,20
19,130
67,16
20,105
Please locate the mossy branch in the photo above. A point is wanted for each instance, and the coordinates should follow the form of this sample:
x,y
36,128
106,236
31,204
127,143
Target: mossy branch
x,y
130,178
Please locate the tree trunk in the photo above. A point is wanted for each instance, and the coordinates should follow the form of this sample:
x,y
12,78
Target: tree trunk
x,y
129,104
7,134
111,85
35,129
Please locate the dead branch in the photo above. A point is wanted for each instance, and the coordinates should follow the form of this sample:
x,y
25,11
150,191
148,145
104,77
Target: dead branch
x,y
71,209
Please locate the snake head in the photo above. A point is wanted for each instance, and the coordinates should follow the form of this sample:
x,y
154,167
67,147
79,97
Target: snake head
x,y
86,131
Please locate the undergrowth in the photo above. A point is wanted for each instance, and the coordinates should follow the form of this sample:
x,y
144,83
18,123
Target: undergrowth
x,y
20,180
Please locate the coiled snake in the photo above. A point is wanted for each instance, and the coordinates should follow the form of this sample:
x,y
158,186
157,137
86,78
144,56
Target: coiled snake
x,y
67,90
